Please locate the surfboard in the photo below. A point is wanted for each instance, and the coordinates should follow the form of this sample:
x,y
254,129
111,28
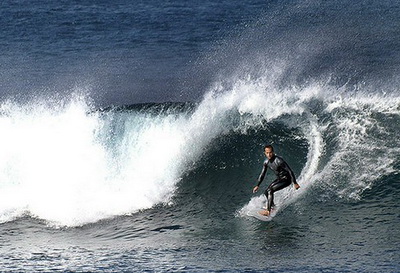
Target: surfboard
x,y
256,214
254,206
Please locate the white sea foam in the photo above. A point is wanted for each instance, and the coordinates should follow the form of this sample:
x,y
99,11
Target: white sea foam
x,y
366,147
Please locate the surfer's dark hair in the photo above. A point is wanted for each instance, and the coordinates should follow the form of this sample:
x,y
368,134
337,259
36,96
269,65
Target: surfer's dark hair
x,y
269,146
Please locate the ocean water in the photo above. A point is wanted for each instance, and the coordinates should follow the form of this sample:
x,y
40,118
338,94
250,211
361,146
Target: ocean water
x,y
132,134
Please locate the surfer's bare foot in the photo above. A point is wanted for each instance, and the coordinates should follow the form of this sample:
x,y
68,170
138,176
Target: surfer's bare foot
x,y
265,212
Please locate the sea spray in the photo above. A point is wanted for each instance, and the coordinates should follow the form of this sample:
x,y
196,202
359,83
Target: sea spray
x,y
51,161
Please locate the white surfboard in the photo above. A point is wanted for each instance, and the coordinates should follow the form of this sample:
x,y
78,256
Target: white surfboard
x,y
254,207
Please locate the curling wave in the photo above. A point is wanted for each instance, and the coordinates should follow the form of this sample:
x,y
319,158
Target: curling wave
x,y
70,165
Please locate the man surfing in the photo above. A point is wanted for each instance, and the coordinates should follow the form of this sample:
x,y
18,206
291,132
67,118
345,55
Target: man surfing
x,y
284,177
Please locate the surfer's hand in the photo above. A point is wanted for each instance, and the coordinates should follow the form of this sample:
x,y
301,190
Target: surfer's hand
x,y
255,189
296,186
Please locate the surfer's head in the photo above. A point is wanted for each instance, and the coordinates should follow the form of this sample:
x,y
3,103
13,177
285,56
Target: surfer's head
x,y
269,151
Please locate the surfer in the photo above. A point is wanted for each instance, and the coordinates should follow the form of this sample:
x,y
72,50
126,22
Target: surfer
x,y
284,177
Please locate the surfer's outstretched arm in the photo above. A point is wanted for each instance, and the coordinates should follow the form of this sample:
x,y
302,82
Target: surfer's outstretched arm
x,y
291,175
261,177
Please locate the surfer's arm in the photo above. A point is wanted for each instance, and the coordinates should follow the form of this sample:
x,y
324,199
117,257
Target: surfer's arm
x,y
262,174
261,177
284,167
291,174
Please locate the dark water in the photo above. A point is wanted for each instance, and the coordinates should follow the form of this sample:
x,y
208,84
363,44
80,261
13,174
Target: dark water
x,y
132,135
121,52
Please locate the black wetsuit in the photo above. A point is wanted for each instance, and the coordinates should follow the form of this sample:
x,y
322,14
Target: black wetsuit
x,y
284,177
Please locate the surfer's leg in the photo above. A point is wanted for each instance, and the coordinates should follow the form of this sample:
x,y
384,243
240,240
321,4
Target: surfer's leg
x,y
269,193
273,187
270,197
